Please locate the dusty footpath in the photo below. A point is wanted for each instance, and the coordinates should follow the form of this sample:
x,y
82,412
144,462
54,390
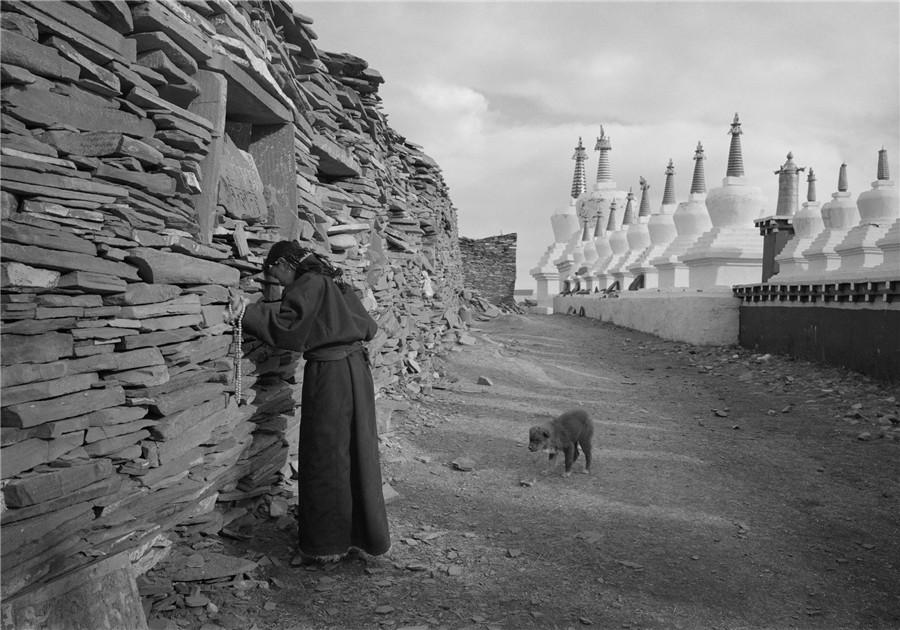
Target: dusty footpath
x,y
729,490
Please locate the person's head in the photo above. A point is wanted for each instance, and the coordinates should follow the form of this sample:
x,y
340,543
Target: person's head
x,y
287,260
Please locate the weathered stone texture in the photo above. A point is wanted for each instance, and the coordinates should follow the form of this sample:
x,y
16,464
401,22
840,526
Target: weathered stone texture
x,y
489,265
119,242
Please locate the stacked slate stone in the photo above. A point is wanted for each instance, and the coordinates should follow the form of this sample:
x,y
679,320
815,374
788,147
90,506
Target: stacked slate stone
x,y
490,267
382,207
114,384
120,423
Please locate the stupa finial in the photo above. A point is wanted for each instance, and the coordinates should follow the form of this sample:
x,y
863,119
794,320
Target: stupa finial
x,y
669,190
735,156
645,199
811,186
598,225
842,178
884,170
611,224
788,187
698,183
604,172
579,181
628,218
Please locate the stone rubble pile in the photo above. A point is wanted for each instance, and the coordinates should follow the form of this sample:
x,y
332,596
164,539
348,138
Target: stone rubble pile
x,y
129,211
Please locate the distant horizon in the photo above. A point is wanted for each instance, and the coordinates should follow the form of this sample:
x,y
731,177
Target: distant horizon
x,y
499,93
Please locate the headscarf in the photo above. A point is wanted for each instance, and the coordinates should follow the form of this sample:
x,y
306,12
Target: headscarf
x,y
303,260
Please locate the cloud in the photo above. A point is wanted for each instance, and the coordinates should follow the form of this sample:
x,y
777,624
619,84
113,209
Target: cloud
x,y
453,123
498,94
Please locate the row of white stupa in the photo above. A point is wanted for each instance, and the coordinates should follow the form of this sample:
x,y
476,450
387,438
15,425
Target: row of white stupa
x,y
710,241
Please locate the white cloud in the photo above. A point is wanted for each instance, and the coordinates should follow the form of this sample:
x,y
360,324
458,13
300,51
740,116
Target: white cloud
x,y
455,113
498,93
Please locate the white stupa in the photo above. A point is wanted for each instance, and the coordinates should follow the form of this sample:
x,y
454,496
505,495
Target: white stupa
x,y
839,216
807,224
879,209
564,221
589,250
633,239
618,244
601,246
691,219
730,252
595,208
890,242
571,262
788,188
660,228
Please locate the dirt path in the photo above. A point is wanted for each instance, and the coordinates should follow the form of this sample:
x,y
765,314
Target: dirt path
x,y
728,491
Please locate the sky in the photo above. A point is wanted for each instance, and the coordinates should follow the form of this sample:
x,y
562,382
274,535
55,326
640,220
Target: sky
x,y
498,93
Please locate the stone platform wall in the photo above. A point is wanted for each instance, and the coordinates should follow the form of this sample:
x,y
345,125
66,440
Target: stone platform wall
x,y
866,340
151,153
708,319
855,325
489,265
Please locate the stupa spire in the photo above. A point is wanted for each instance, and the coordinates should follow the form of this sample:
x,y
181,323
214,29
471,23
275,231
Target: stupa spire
x,y
604,173
669,190
842,178
811,186
611,224
698,183
884,170
598,227
628,219
579,181
788,187
735,157
645,198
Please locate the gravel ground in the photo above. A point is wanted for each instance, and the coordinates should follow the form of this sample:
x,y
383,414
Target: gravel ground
x,y
729,490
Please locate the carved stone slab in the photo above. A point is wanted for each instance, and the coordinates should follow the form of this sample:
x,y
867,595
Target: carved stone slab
x,y
215,565
240,187
48,108
41,60
168,268
157,40
100,595
35,413
51,239
54,483
25,277
22,349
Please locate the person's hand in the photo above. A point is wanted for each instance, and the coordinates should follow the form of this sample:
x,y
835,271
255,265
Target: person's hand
x,y
236,305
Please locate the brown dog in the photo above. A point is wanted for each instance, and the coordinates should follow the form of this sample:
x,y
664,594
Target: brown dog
x,y
565,433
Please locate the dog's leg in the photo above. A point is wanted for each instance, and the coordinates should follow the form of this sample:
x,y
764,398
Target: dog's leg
x,y
586,447
550,463
570,453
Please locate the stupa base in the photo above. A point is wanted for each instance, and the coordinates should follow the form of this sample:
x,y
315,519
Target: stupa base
x,y
700,318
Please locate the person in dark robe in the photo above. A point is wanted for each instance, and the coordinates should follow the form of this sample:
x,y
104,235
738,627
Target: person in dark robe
x,y
341,505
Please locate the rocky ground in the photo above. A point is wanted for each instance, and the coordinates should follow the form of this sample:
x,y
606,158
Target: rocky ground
x,y
729,490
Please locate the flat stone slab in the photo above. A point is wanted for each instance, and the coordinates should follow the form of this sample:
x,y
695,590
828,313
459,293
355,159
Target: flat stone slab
x,y
215,565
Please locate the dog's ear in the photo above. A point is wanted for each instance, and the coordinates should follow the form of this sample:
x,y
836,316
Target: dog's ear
x,y
545,433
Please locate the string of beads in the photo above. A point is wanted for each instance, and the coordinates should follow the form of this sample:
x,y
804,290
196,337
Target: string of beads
x,y
238,353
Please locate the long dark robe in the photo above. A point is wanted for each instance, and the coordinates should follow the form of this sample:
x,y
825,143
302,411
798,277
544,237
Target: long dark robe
x,y
341,500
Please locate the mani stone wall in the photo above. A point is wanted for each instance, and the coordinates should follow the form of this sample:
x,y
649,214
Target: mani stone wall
x,y
489,265
151,153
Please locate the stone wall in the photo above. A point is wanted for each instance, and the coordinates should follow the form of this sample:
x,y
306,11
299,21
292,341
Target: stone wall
x,y
489,265
151,154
